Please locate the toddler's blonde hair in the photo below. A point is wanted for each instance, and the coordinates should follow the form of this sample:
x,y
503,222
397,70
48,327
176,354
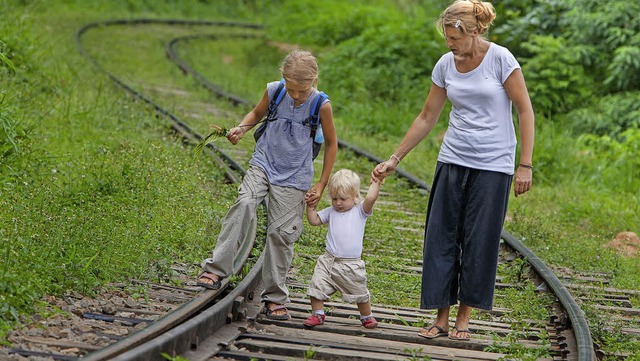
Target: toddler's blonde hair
x,y
345,183
300,66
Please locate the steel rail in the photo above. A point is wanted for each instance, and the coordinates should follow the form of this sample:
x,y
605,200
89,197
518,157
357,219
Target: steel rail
x,y
586,350
187,335
136,346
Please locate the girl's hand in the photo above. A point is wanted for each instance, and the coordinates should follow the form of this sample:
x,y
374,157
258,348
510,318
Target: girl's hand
x,y
235,134
307,197
312,197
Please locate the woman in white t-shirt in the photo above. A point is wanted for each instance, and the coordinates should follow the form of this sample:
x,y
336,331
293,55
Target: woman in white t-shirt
x,y
475,169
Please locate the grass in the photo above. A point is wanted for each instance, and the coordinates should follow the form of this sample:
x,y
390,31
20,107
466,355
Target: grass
x,y
101,190
96,189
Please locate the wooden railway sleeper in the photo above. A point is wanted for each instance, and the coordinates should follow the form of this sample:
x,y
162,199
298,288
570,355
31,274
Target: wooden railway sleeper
x,y
553,330
108,318
560,354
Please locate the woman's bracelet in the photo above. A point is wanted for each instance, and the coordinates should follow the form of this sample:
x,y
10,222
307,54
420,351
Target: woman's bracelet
x,y
395,157
523,165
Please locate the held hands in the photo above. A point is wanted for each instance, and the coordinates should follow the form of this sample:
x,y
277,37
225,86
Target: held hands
x,y
235,134
312,197
522,180
382,170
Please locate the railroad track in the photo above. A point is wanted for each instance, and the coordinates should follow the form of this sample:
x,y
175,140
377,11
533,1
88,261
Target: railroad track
x,y
194,324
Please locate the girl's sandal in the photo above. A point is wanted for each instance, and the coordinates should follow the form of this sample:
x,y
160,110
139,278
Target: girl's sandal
x,y
270,313
213,285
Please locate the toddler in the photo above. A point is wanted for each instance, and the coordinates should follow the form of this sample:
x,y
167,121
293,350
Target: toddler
x,y
340,268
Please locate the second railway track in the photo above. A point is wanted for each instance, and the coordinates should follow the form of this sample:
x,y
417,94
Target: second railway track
x,y
207,325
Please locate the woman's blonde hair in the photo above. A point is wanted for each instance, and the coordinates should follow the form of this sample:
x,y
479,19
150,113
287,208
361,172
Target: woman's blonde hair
x,y
345,183
300,66
468,15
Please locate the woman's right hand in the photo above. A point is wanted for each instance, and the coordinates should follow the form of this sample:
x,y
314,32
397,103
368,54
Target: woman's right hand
x,y
382,170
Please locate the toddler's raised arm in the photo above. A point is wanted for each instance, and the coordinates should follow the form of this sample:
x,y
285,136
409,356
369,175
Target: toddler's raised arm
x,y
312,216
372,195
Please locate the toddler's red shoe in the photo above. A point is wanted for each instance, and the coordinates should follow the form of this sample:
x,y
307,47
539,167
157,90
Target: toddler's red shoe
x,y
369,322
314,320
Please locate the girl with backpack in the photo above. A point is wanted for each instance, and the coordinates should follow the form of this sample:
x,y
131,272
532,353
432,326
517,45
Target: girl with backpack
x,y
280,171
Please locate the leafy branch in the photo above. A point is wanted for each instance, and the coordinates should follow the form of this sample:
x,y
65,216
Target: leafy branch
x,y
218,132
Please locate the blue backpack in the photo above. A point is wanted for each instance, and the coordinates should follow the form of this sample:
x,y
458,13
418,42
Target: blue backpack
x,y
313,119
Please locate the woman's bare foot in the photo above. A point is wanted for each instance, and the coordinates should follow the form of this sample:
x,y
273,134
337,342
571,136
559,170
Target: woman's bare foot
x,y
460,334
461,329
434,331
440,327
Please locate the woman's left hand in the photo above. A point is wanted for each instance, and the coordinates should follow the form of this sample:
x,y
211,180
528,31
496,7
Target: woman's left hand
x,y
522,180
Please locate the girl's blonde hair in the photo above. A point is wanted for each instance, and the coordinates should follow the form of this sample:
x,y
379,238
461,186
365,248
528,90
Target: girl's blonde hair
x,y
468,15
345,183
300,66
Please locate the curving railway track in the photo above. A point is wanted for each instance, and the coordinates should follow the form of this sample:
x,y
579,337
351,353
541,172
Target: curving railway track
x,y
182,321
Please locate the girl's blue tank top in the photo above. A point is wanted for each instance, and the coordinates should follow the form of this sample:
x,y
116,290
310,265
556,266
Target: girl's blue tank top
x,y
284,151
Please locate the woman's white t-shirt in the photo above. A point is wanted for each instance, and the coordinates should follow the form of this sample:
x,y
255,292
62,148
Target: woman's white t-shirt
x,y
481,133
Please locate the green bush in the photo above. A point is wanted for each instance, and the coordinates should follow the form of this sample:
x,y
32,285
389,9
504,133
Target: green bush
x,y
327,23
8,131
517,21
15,125
383,71
608,41
606,159
610,115
623,72
384,61
555,78
17,294
603,37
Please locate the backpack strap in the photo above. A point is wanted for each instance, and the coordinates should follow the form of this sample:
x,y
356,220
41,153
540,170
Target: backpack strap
x,y
272,111
314,113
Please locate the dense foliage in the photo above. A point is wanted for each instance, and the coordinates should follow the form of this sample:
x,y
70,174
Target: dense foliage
x,y
580,60
597,42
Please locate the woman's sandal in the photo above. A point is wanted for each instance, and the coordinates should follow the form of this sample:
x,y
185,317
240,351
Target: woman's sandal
x,y
270,313
441,332
458,331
